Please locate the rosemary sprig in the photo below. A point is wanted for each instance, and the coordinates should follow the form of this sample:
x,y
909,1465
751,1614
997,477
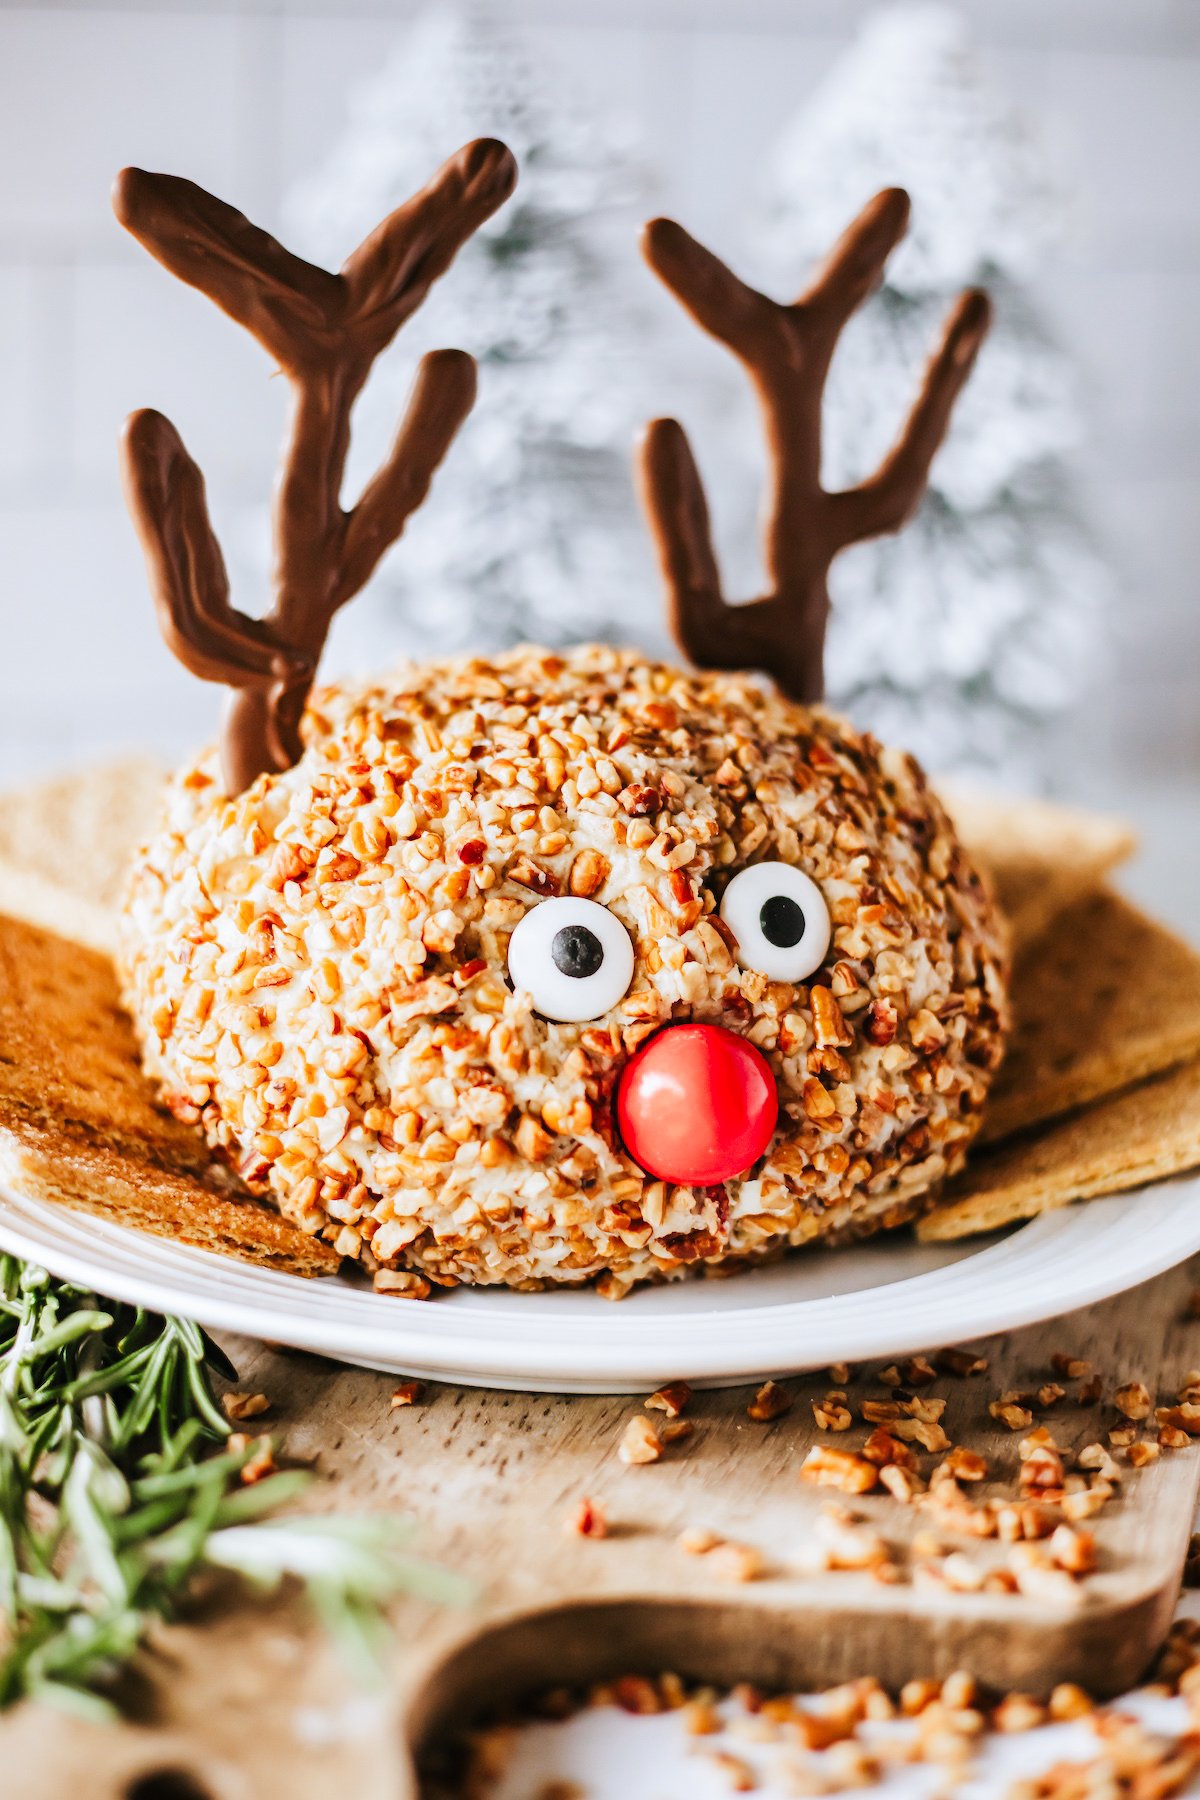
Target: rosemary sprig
x,y
118,1484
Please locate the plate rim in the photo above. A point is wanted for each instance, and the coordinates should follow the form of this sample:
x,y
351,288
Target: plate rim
x,y
565,1354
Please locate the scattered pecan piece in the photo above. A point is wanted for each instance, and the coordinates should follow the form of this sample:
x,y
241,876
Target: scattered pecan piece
x,y
1074,1551
832,1467
832,1413
1133,1400
640,1443
1018,1712
770,1402
904,1485
962,1363
588,1520
1010,1413
244,1406
884,1450
670,1399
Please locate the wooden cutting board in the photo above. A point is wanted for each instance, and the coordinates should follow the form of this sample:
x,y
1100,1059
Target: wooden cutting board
x,y
249,1701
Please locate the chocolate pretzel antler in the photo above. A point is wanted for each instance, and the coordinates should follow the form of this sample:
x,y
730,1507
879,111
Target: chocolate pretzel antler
x,y
325,331
787,351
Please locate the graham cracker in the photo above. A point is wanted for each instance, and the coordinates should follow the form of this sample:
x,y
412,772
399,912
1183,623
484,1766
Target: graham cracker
x,y
1143,1135
1104,999
80,1124
1041,857
65,845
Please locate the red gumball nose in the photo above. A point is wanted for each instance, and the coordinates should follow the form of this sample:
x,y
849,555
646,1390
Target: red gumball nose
x,y
696,1105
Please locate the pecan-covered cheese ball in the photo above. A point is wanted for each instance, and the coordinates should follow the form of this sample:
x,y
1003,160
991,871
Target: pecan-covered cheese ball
x,y
343,974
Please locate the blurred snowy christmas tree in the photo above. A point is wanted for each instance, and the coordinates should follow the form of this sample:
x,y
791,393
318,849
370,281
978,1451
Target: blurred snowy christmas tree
x,y
532,529
967,634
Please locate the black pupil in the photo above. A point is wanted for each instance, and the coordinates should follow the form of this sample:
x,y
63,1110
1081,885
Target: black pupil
x,y
577,952
782,921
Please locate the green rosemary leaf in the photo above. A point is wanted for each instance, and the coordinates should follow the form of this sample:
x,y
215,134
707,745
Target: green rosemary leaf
x,y
158,1369
78,1325
92,1528
202,1399
245,1503
102,1381
117,1485
179,1480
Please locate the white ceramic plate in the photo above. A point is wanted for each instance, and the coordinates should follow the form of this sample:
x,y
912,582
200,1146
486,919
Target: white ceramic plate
x,y
879,1299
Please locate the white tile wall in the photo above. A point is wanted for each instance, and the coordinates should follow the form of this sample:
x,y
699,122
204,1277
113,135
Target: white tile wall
x,y
83,91
245,97
143,340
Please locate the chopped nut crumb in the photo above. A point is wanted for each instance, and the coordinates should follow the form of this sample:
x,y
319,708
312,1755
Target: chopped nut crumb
x,y
407,1394
832,1413
830,1467
842,1542
735,1562
1073,1367
245,1406
403,1284
963,1465
929,1435
901,1483
882,1448
1184,1417
1069,1701
959,1689
1074,1551
1086,1502
261,1463
636,1694
770,1402
588,1520
1041,1470
1018,1712
640,1443
1133,1400
1095,1456
960,1574
700,1718
1009,1413
1141,1454
962,1363
915,1696
671,1399
697,1541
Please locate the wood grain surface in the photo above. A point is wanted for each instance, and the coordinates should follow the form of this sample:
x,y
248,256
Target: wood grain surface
x,y
247,1700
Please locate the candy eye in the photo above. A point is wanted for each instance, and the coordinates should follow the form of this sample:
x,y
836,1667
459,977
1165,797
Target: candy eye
x,y
573,956
780,920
